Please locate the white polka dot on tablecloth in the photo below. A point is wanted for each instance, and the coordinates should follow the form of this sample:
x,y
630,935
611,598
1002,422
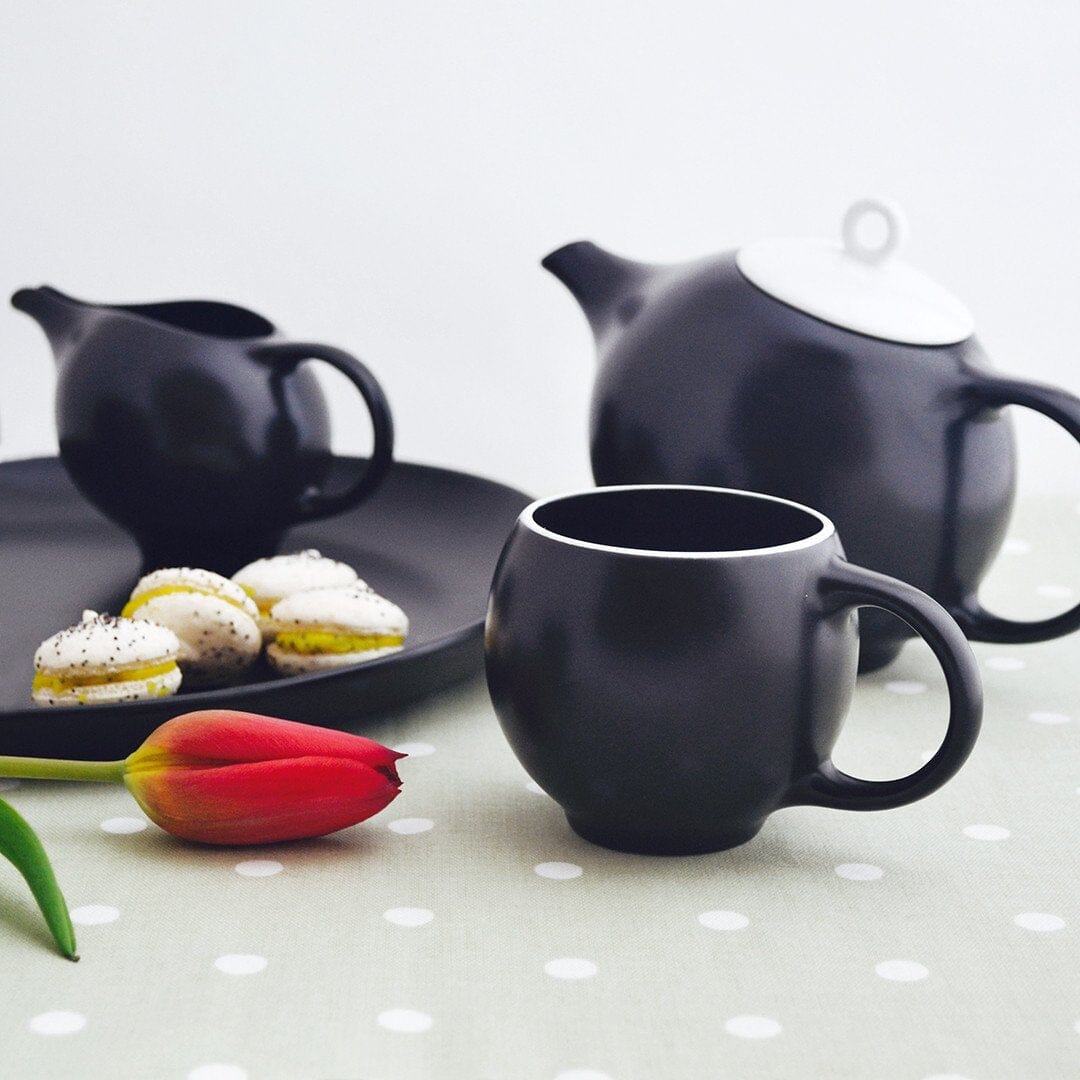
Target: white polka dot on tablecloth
x,y
859,871
582,1074
1055,592
408,916
535,788
986,832
901,970
558,871
1015,546
240,964
1040,921
570,967
753,1027
415,749
906,687
409,826
94,915
8,785
58,1022
121,826
1050,718
723,920
1005,663
407,1021
217,1070
258,868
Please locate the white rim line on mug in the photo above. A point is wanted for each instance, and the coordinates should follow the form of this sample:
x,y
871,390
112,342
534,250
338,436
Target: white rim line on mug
x,y
827,527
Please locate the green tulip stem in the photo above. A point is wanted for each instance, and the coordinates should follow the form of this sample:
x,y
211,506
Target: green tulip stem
x,y
52,769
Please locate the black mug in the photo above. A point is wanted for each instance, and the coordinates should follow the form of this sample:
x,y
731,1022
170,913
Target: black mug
x,y
673,663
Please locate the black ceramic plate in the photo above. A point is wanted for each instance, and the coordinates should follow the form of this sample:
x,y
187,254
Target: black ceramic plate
x,y
428,539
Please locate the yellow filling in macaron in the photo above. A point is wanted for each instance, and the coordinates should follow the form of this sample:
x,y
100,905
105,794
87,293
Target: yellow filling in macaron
x,y
58,683
308,642
263,605
137,602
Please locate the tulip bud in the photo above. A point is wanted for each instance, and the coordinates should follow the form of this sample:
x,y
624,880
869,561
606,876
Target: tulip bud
x,y
222,777
237,778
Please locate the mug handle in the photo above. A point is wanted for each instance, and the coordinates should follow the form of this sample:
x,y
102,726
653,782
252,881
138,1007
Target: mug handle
x,y
316,504
1061,407
845,585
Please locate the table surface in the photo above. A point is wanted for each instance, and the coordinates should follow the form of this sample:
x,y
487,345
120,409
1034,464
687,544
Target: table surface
x,y
466,933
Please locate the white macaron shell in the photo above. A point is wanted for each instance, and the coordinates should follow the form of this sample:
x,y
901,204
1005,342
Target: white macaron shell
x,y
291,663
218,641
354,610
111,693
281,575
104,642
204,581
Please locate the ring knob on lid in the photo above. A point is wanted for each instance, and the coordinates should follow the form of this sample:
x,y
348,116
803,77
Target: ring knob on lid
x,y
859,284
896,229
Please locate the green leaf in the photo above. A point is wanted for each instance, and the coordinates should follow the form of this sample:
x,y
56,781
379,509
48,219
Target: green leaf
x,y
19,844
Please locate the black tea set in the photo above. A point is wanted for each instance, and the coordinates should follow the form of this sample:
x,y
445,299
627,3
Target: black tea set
x,y
670,654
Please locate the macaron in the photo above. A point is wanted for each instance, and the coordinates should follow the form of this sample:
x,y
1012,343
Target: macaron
x,y
103,660
269,580
215,620
321,629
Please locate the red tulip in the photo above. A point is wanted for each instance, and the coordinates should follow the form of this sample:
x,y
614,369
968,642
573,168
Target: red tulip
x,y
237,778
224,777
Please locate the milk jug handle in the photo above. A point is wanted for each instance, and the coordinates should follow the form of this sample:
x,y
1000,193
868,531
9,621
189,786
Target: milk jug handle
x,y
318,504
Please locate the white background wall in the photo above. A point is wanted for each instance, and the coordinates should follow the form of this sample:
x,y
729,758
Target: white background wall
x,y
385,177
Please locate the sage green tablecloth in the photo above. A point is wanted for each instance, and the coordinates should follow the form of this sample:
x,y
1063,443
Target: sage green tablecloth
x,y
467,933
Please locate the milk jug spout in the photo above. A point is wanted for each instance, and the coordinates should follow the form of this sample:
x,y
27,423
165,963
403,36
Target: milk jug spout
x,y
61,317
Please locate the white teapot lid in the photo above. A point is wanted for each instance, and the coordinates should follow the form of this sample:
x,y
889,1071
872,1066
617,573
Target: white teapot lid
x,y
859,286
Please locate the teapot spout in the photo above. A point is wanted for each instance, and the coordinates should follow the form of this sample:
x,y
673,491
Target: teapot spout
x,y
599,281
60,316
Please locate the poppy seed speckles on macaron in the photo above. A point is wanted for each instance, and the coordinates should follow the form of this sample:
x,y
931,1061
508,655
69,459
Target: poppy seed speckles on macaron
x,y
214,618
104,659
329,628
272,579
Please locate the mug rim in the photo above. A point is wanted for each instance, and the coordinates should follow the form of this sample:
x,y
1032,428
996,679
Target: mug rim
x,y
526,518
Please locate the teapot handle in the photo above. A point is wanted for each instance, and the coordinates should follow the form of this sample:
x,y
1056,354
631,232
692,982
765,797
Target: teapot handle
x,y
316,504
1063,408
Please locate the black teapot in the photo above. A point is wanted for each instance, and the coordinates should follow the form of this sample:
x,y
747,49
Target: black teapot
x,y
832,374
196,427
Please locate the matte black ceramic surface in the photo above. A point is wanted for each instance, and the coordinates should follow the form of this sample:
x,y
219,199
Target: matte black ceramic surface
x,y
674,664
428,539
705,379
196,427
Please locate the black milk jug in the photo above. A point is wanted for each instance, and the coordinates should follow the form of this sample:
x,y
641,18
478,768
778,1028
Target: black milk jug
x,y
196,426
832,374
